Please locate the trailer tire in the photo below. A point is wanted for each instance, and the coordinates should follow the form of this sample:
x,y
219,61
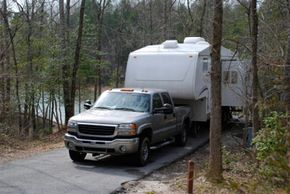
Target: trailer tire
x,y
195,128
77,156
181,138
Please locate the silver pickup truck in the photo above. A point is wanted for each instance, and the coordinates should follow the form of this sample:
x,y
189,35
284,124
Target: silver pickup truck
x,y
127,121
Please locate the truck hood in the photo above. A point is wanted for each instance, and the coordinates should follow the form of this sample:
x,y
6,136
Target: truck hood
x,y
108,116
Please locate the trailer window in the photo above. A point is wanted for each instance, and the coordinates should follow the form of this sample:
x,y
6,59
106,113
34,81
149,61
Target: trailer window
x,y
205,65
230,77
226,77
234,77
166,98
157,103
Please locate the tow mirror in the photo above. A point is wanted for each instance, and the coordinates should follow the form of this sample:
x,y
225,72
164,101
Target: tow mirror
x,y
168,108
87,104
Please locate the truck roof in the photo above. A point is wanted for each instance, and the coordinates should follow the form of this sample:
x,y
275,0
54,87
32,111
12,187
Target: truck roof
x,y
139,90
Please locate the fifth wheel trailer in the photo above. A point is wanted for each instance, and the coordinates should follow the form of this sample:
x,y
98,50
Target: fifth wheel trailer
x,y
183,69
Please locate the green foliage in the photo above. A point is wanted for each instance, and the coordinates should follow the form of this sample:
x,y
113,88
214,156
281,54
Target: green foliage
x,y
271,148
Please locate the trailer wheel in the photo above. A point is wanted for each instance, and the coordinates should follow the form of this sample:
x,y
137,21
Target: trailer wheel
x,y
77,156
181,138
195,128
143,154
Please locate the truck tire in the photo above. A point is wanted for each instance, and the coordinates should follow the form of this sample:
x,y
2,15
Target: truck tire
x,y
143,154
181,138
77,156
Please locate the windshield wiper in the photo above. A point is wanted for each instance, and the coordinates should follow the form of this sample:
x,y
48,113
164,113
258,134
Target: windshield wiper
x,y
126,109
103,107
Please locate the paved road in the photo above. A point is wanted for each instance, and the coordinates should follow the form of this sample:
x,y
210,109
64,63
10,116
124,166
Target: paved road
x,y
54,173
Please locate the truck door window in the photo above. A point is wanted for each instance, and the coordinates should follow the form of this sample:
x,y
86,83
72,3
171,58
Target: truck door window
x,y
166,98
157,103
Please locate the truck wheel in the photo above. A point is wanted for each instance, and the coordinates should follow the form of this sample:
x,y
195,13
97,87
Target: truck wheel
x,y
181,139
143,154
77,156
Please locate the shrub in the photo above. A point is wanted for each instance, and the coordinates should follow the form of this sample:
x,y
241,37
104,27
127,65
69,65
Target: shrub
x,y
270,144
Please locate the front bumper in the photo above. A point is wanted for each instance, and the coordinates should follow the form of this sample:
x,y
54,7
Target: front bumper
x,y
113,147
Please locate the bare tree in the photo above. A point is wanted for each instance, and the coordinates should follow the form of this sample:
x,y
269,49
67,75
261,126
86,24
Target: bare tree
x,y
100,6
287,86
77,51
215,158
254,37
11,35
68,104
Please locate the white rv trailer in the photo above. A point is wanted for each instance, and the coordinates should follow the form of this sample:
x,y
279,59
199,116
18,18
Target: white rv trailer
x,y
184,70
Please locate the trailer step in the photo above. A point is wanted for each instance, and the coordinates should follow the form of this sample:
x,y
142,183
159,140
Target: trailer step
x,y
167,142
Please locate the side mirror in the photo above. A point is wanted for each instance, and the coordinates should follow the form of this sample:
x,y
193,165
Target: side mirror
x,y
87,104
168,108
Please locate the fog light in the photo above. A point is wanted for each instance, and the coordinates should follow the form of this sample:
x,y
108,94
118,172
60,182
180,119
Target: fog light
x,y
122,149
70,145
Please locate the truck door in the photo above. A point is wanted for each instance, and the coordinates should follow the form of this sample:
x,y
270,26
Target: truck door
x,y
169,119
158,123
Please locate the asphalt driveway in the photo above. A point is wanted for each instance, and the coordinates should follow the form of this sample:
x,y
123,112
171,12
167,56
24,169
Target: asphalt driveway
x,y
54,173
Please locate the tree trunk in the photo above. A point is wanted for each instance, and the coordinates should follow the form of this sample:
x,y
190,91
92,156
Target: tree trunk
x,y
202,18
254,36
77,53
150,23
4,65
30,85
10,38
215,158
165,20
7,60
69,112
99,7
287,89
2,75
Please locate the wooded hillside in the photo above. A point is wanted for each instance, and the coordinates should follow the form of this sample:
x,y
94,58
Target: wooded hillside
x,y
57,53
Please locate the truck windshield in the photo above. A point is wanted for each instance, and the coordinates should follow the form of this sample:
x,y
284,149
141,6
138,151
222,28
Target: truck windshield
x,y
124,101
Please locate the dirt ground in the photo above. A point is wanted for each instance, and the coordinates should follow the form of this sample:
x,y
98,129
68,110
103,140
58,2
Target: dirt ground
x,y
240,174
12,148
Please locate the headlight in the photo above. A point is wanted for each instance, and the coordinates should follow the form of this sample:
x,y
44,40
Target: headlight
x,y
72,125
127,129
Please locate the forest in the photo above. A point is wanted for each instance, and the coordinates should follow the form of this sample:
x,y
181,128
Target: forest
x,y
56,54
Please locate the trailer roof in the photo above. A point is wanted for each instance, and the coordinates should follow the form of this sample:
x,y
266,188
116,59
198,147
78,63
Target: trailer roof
x,y
172,47
180,48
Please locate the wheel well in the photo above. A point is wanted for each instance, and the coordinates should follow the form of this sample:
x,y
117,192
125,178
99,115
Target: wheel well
x,y
147,132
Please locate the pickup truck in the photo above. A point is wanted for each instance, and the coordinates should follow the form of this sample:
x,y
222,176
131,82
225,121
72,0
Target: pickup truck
x,y
127,121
